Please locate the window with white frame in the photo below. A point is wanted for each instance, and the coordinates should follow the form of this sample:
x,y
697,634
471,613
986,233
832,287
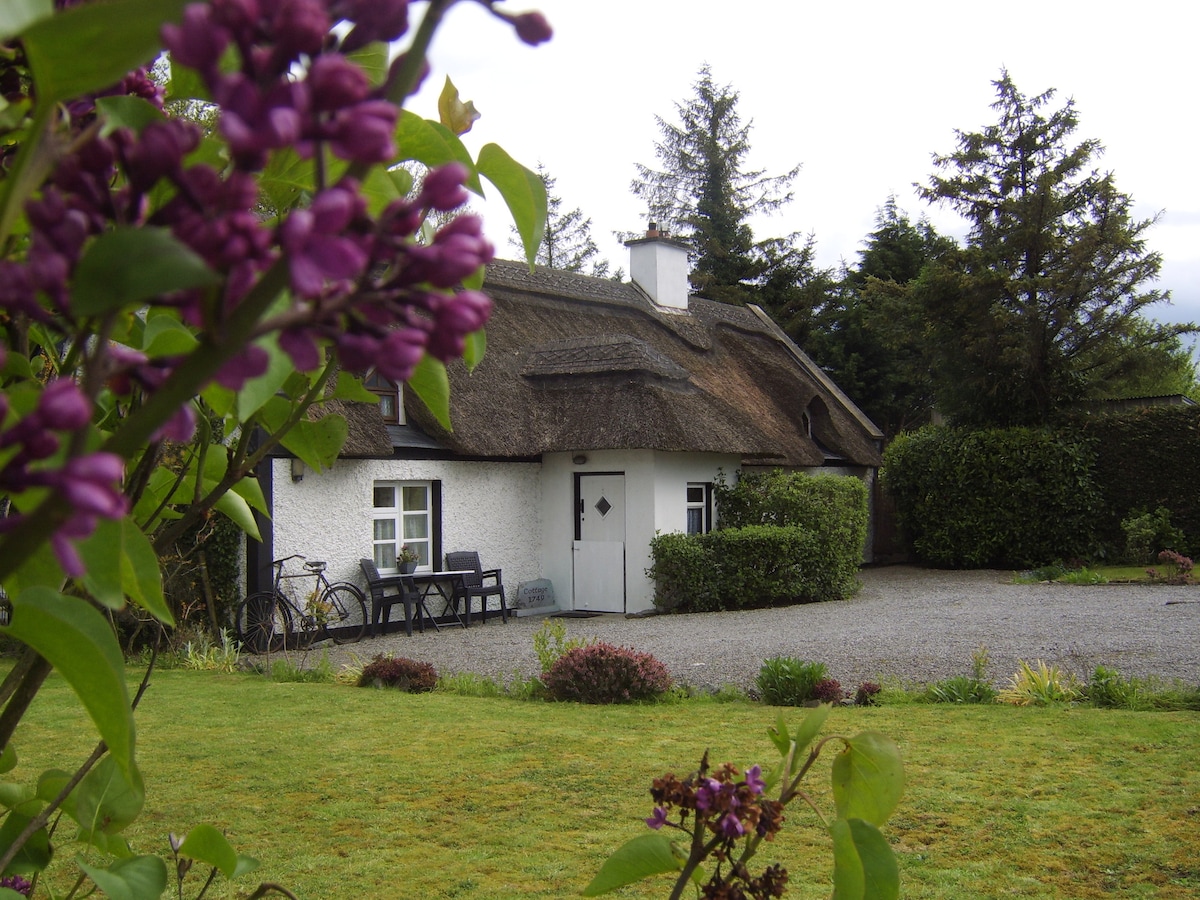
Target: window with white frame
x,y
403,515
699,508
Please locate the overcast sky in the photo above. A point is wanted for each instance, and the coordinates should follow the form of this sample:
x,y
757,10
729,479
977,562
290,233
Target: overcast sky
x,y
861,94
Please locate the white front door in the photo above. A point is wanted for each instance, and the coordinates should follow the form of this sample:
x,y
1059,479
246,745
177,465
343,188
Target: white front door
x,y
599,550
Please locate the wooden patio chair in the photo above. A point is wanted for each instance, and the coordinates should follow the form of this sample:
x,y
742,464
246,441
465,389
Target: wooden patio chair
x,y
473,584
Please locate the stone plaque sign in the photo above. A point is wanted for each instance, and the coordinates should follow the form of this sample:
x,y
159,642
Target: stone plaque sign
x,y
535,594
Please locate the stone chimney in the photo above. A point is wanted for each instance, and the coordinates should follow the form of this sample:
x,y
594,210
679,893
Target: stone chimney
x,y
659,266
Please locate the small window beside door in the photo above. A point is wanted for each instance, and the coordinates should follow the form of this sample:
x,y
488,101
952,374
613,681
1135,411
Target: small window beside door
x,y
699,508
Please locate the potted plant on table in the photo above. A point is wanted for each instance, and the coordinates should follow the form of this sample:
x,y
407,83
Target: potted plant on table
x,y
407,559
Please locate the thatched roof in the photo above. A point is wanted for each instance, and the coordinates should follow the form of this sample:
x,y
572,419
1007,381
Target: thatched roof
x,y
576,363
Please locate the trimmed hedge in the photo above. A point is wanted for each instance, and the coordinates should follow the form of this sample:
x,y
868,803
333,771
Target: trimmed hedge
x,y
1012,497
784,538
1145,459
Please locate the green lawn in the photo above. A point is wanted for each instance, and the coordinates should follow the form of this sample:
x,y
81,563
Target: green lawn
x,y
349,792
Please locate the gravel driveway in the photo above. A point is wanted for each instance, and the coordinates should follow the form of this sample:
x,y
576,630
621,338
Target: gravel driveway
x,y
918,625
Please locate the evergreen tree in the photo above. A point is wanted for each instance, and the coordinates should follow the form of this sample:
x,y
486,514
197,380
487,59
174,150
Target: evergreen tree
x,y
862,336
567,242
1044,303
704,195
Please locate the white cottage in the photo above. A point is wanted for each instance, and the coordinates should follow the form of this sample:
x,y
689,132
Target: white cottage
x,y
602,414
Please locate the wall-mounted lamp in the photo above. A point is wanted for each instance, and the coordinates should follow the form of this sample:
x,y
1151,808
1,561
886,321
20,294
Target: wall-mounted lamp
x,y
579,459
297,469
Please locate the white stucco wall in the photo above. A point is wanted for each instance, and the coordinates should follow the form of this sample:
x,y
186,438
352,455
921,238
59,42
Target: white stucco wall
x,y
490,507
521,517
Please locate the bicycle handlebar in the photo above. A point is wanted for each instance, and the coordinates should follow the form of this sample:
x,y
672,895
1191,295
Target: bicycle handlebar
x,y
278,563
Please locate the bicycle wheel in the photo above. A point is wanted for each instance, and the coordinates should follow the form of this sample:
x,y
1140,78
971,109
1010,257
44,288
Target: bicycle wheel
x,y
264,622
346,618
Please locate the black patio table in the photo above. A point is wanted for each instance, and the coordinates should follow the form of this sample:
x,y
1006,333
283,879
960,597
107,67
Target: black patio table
x,y
448,586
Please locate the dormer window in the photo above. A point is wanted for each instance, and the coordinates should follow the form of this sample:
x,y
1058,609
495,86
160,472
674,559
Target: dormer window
x,y
388,393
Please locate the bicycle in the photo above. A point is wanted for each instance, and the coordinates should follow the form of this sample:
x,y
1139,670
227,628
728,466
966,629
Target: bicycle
x,y
269,621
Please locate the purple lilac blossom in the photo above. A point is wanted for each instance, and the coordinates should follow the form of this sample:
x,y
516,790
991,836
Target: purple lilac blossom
x,y
754,779
532,28
17,883
658,819
443,188
374,20
318,243
388,321
731,826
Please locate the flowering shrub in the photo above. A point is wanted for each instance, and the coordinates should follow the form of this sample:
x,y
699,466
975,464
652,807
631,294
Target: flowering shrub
x,y
1176,568
176,296
602,673
724,815
398,672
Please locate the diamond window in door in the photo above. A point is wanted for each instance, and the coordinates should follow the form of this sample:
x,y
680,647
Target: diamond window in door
x,y
603,506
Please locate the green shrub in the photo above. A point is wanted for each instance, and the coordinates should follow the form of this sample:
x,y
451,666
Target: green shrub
x,y
753,566
202,653
523,688
788,681
1147,533
961,689
398,672
685,573
1013,497
784,538
1145,458
1083,575
285,671
550,642
602,673
833,503
1108,688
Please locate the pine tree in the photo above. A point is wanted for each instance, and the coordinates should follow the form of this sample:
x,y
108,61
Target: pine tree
x,y
864,337
1045,301
703,195
567,242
